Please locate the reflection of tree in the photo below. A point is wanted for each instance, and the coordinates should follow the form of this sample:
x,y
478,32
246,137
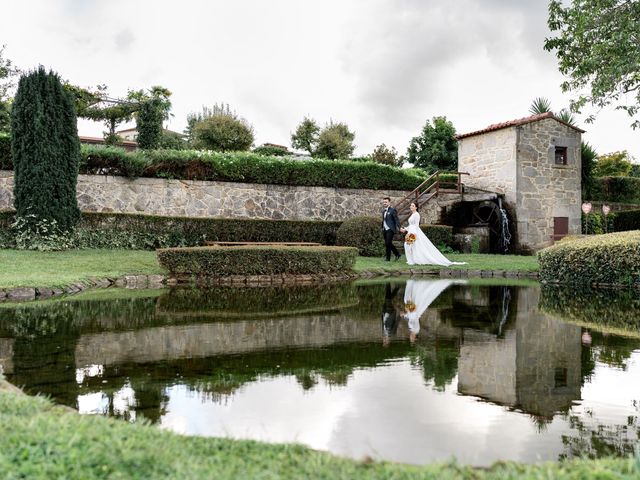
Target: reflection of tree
x,y
438,360
591,439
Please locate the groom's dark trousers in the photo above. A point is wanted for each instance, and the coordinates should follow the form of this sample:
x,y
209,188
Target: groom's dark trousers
x,y
390,217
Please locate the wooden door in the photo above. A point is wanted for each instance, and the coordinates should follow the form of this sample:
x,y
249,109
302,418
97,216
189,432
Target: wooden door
x,y
560,227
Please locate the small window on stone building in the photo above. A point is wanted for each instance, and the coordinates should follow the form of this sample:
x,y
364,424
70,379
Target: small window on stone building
x,y
561,155
560,377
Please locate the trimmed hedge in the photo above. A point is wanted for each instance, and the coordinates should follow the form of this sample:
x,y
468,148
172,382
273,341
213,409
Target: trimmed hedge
x,y
626,220
148,232
246,167
602,259
257,260
364,233
616,189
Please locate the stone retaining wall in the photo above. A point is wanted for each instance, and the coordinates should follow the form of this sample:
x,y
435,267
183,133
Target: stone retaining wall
x,y
189,198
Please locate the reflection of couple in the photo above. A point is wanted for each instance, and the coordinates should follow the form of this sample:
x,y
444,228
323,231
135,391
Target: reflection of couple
x,y
418,295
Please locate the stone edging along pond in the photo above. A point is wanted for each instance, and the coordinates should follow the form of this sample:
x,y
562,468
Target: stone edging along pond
x,y
24,294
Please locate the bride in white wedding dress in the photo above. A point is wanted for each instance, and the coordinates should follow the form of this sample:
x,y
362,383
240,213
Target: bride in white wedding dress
x,y
422,251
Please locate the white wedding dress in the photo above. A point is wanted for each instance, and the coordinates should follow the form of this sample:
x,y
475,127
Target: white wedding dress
x,y
422,251
422,293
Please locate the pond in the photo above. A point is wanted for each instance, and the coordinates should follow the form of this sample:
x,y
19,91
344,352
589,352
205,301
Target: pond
x,y
412,371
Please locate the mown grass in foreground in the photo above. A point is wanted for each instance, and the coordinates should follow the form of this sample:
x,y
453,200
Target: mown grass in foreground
x,y
474,262
40,440
51,269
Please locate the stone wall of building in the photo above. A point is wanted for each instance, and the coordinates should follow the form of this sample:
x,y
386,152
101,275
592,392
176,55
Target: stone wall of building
x,y
546,190
154,196
490,160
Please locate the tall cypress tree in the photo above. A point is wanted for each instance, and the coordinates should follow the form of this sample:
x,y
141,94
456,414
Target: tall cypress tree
x,y
149,124
45,149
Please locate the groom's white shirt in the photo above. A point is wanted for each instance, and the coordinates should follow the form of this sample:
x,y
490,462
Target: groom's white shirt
x,y
384,219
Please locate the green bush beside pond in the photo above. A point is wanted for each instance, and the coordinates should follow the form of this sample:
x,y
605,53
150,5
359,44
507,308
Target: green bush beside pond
x,y
257,260
603,259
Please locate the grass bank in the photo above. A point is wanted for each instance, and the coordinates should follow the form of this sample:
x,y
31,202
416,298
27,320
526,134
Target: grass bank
x,y
41,440
53,269
474,262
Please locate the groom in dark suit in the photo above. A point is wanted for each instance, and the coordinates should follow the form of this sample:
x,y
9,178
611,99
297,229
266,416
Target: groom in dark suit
x,y
390,225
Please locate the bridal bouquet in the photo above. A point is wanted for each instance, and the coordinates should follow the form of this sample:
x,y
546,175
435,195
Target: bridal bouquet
x,y
410,238
410,307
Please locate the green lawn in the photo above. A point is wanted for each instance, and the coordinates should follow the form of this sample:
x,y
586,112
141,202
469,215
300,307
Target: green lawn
x,y
52,269
40,440
474,262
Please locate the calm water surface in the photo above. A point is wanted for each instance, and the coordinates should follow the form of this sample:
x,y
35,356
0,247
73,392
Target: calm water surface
x,y
413,372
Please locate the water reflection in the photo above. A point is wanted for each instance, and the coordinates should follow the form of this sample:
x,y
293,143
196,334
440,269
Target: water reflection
x,y
480,372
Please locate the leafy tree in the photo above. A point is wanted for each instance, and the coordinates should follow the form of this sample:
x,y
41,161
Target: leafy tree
x,y
172,141
635,170
596,43
272,150
154,107
436,148
220,129
335,141
387,156
616,164
45,150
196,117
7,73
306,136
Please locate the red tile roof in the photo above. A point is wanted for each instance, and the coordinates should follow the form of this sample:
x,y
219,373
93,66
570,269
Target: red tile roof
x,y
515,123
100,140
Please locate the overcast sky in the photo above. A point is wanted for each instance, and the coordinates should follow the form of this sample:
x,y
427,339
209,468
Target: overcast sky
x,y
381,66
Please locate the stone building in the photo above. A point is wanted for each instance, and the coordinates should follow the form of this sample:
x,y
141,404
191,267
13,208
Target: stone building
x,y
535,163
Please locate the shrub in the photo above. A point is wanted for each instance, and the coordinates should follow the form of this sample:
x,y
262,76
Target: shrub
x,y
45,149
616,189
626,220
272,151
440,235
610,259
364,233
257,260
149,123
223,132
597,223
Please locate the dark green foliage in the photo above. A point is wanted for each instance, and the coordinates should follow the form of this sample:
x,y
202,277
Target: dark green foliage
x,y
616,189
257,260
364,233
45,150
626,220
172,141
619,308
220,130
306,136
272,151
386,156
608,259
589,157
440,235
149,124
247,167
597,223
335,141
436,148
5,152
227,302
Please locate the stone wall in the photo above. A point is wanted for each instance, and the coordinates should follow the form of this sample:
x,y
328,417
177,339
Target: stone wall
x,y
188,198
546,190
490,160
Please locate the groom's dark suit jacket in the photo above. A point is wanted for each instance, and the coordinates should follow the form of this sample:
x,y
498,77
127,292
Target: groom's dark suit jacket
x,y
392,219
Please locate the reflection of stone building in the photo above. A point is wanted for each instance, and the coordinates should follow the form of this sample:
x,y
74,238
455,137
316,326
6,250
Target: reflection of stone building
x,y
534,367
